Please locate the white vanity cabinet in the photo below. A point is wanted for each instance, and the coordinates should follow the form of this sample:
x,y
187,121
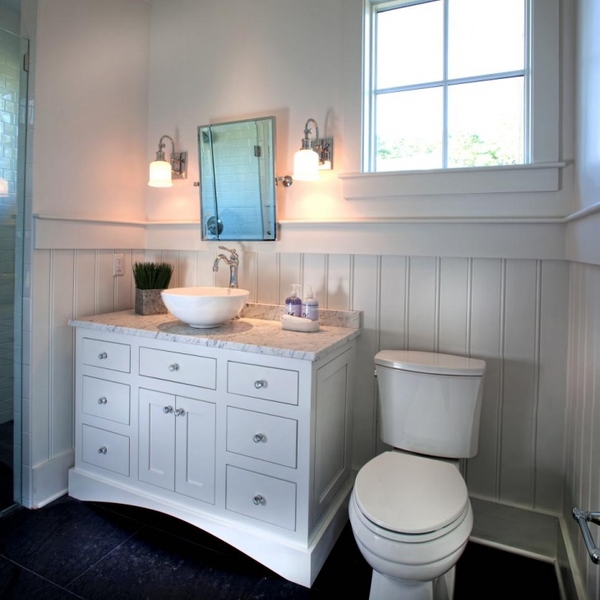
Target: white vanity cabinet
x,y
253,447
103,438
177,444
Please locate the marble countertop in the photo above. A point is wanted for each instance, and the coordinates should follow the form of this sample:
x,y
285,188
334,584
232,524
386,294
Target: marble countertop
x,y
258,330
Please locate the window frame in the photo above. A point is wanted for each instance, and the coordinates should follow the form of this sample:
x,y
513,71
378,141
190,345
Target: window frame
x,y
372,92
542,173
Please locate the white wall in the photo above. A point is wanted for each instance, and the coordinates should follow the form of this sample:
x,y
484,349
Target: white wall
x,y
88,98
91,91
213,61
582,448
297,60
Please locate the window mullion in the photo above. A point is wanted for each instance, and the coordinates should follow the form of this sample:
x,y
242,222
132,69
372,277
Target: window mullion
x,y
527,108
445,90
450,82
372,104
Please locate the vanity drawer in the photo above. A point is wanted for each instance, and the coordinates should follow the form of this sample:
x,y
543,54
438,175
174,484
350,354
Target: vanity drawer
x,y
178,367
266,383
261,497
107,355
106,399
266,437
105,449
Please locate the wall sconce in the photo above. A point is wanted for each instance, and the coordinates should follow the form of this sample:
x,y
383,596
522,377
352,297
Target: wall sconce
x,y
314,155
162,172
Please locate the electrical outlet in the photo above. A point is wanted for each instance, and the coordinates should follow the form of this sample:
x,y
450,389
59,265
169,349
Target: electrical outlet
x,y
118,268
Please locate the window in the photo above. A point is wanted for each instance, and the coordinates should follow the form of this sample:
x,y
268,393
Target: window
x,y
448,84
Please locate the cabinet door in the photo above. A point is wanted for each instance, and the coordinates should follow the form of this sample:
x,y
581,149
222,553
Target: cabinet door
x,y
195,433
157,438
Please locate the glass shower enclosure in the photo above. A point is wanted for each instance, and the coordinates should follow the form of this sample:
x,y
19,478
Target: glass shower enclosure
x,y
13,126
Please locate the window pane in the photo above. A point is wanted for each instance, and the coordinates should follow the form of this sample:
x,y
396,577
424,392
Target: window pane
x,y
485,36
410,45
485,123
409,130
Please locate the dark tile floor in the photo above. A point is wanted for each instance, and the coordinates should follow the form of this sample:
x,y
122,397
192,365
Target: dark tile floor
x,y
71,549
6,465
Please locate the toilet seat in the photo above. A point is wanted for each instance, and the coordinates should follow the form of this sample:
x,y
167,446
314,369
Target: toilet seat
x,y
411,495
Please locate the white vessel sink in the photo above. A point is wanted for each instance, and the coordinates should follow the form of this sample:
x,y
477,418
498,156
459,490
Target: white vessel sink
x,y
204,307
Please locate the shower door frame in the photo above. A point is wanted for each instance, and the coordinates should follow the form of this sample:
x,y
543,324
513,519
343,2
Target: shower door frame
x,y
19,263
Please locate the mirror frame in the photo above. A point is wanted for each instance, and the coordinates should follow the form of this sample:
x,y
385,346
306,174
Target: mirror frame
x,y
213,226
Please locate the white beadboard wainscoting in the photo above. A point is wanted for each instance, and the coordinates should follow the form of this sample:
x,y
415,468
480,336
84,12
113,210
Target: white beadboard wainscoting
x,y
511,313
582,448
535,322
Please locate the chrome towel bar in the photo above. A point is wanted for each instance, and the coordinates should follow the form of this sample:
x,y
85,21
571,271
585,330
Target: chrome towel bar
x,y
583,517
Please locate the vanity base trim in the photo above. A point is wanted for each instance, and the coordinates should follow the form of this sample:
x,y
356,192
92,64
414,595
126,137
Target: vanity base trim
x,y
296,563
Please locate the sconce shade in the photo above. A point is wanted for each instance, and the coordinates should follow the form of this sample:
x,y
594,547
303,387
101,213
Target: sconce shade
x,y
306,165
160,174
313,156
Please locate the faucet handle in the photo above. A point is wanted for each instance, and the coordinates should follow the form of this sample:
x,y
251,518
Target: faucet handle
x,y
231,251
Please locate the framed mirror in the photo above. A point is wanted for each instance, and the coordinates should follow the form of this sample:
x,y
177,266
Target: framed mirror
x,y
237,180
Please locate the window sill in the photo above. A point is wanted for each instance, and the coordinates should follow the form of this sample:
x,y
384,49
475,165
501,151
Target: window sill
x,y
540,177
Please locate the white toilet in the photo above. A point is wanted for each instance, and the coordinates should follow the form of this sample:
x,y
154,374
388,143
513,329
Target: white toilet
x,y
409,509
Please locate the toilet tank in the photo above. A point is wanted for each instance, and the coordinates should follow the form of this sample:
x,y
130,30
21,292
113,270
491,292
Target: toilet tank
x,y
430,403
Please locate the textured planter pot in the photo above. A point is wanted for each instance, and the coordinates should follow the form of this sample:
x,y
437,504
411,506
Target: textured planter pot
x,y
149,302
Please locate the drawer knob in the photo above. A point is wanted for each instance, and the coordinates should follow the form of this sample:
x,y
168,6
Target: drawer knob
x,y
174,367
102,400
167,410
258,499
260,383
258,437
102,356
179,412
102,450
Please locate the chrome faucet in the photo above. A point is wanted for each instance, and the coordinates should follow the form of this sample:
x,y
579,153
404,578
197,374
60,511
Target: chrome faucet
x,y
233,261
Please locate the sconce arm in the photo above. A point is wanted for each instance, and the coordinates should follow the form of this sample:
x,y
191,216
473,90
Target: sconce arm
x,y
160,155
323,147
306,142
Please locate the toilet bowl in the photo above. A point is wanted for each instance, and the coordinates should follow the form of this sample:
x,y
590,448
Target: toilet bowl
x,y
411,518
409,509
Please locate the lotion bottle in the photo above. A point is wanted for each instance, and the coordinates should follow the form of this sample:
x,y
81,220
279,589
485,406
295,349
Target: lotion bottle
x,y
310,306
293,304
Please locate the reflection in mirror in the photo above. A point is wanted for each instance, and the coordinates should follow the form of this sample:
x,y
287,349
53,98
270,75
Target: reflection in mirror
x,y
237,180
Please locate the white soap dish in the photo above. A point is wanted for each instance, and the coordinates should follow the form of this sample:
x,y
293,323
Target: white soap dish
x,y
299,324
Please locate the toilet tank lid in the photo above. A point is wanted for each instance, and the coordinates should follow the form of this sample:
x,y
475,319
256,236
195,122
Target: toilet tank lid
x,y
430,362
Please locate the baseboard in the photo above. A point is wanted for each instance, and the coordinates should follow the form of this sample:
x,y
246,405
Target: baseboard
x,y
518,530
530,533
568,573
50,480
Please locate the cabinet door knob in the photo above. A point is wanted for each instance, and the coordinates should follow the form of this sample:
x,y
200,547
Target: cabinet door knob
x,y
167,410
258,499
174,367
102,450
260,383
102,400
258,437
102,356
179,412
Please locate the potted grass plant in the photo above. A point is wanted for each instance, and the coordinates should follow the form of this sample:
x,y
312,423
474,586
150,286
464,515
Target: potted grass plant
x,y
150,279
